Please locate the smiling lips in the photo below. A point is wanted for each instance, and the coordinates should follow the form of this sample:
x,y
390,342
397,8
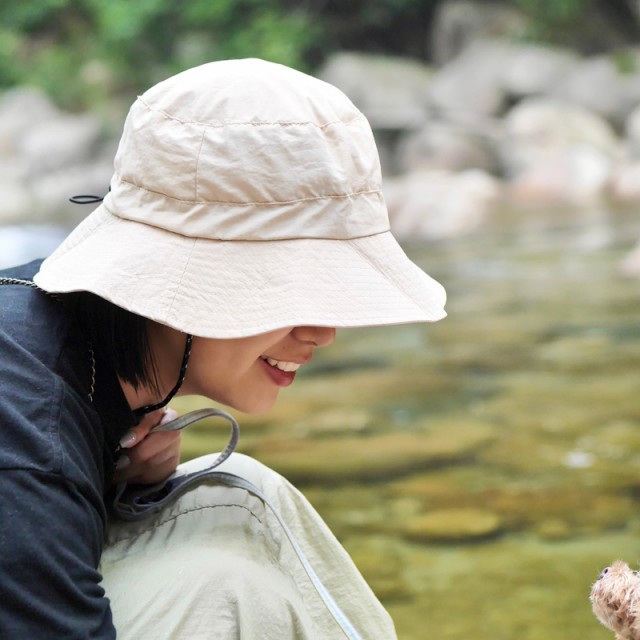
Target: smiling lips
x,y
280,371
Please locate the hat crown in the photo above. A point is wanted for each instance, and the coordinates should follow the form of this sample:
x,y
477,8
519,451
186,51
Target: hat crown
x,y
248,150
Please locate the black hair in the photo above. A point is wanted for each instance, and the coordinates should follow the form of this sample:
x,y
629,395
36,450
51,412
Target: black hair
x,y
120,336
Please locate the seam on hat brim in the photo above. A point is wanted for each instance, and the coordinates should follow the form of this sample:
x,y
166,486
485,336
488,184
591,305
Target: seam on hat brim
x,y
274,203
257,123
399,284
184,270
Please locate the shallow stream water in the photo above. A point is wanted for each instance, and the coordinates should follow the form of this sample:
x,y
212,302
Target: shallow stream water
x,y
483,470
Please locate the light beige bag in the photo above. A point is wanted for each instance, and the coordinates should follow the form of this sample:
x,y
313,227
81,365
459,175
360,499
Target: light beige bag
x,y
239,554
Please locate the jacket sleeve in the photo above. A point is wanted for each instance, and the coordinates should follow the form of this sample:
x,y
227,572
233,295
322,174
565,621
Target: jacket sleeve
x,y
50,545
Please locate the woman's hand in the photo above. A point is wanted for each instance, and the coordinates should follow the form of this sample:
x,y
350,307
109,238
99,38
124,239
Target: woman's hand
x,y
148,458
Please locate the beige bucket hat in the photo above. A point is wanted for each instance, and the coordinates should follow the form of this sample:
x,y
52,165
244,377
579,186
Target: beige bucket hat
x,y
246,197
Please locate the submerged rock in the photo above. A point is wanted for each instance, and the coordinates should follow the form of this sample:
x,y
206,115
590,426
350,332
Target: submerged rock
x,y
375,457
559,511
453,525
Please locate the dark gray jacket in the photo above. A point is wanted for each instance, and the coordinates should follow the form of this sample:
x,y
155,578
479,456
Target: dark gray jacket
x,y
55,464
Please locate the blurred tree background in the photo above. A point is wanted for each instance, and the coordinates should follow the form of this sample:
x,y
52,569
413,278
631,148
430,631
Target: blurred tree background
x,y
83,51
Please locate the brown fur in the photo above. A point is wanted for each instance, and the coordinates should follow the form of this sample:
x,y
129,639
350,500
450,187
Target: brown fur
x,y
615,598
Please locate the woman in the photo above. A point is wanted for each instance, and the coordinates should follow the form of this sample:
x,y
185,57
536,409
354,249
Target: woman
x,y
243,225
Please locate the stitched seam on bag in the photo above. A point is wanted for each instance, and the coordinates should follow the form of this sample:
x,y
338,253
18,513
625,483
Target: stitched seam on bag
x,y
241,123
276,203
192,510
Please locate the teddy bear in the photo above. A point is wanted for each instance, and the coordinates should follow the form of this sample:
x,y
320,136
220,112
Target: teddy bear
x,y
615,599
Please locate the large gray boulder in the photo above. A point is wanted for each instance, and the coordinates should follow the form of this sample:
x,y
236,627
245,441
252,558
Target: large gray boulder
x,y
578,175
47,155
632,132
16,203
538,128
60,142
391,92
624,184
440,204
50,192
555,152
603,86
490,75
441,145
531,70
459,23
470,87
21,109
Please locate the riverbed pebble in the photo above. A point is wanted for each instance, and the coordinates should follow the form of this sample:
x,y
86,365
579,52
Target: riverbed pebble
x,y
374,457
453,525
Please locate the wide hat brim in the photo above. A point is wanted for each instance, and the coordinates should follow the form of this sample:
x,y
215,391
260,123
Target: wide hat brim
x,y
232,289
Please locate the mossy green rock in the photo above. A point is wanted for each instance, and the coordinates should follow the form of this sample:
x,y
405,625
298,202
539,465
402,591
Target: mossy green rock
x,y
453,525
374,457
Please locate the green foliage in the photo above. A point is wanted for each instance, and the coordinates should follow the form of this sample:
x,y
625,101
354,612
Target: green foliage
x,y
625,62
31,16
82,50
9,49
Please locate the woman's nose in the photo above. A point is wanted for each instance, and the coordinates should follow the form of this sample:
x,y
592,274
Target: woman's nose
x,y
318,336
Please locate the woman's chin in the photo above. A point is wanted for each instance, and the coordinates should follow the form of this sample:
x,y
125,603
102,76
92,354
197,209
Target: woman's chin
x,y
254,406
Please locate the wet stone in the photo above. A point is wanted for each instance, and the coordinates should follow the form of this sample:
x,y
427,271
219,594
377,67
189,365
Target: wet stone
x,y
375,457
453,525
554,529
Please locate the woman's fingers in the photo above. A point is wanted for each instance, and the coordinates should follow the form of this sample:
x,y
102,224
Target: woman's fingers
x,y
151,460
147,457
138,433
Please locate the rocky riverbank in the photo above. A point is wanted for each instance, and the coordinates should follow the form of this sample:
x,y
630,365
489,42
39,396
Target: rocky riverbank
x,y
500,124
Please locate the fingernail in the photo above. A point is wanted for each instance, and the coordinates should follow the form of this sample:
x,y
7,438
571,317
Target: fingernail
x,y
128,440
168,416
123,462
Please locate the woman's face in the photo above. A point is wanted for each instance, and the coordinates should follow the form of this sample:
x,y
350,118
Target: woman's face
x,y
247,373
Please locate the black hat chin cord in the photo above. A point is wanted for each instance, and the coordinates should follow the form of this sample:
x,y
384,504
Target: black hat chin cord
x,y
183,372
85,198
